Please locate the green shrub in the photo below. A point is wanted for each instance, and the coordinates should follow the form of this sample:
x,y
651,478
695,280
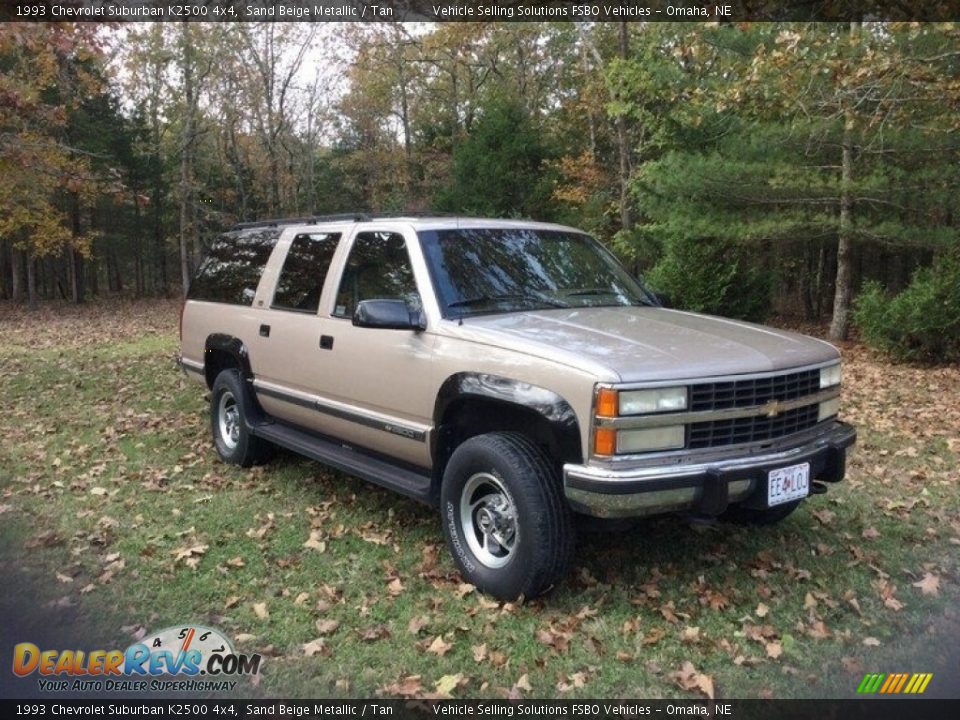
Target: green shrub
x,y
711,276
922,322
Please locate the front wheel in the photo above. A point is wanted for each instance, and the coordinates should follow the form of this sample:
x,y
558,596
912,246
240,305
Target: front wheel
x,y
507,523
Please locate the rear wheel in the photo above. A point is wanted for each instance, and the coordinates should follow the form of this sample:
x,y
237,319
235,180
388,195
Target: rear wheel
x,y
507,524
234,442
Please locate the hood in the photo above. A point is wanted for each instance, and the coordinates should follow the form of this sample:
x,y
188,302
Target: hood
x,y
639,344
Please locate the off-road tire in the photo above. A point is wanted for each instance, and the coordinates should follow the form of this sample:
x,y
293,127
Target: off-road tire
x,y
228,421
508,473
759,516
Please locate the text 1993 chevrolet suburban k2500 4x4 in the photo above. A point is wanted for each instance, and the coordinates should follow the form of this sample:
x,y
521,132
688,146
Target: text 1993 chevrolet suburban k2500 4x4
x,y
511,374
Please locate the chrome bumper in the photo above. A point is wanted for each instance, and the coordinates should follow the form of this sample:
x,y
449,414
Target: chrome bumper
x,y
702,486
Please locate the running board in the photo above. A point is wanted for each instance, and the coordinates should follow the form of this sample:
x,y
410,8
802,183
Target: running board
x,y
399,479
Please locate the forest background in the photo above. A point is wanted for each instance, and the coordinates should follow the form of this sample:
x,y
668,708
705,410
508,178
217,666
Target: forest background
x,y
806,170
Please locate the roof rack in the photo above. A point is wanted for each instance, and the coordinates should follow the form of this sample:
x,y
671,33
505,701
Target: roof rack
x,y
340,217
309,220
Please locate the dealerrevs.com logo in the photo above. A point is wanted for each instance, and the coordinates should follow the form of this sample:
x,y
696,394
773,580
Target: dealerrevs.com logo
x,y
187,658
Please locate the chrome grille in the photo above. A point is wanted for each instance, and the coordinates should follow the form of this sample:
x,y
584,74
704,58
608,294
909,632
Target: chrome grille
x,y
756,391
716,433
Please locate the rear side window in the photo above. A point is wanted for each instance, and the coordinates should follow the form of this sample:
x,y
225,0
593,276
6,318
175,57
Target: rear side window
x,y
231,271
304,271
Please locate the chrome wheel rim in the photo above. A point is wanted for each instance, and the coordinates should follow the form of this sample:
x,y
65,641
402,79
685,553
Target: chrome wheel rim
x,y
228,416
488,516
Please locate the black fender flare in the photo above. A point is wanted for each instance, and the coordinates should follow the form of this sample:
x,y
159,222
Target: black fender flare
x,y
554,409
234,347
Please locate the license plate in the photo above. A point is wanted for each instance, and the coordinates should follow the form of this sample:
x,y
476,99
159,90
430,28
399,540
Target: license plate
x,y
787,484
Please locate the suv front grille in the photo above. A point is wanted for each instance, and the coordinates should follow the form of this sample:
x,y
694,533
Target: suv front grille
x,y
756,391
716,433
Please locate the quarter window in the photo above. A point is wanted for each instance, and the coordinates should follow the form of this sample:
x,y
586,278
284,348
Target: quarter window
x,y
378,269
231,271
304,271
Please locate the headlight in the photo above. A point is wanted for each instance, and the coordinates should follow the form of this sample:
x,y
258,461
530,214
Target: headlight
x,y
828,409
648,439
830,376
654,400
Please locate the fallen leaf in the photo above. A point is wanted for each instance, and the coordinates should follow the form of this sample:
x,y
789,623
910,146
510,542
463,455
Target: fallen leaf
x,y
929,585
667,611
762,610
236,562
439,646
261,610
523,683
689,678
301,598
409,686
774,650
375,632
819,631
316,647
314,542
690,635
395,587
417,624
479,652
870,533
497,658
447,684
654,636
325,627
871,642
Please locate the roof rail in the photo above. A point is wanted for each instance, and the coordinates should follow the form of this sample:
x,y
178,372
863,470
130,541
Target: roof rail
x,y
340,217
308,220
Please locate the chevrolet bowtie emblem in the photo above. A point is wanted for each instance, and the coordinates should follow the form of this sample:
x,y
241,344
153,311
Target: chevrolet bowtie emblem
x,y
772,408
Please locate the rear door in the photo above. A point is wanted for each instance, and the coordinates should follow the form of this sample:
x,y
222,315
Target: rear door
x,y
288,341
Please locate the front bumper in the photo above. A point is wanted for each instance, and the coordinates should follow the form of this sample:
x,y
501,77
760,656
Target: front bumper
x,y
704,487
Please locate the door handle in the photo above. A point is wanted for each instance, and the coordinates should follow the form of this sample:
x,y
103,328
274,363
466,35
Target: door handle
x,y
326,342
264,331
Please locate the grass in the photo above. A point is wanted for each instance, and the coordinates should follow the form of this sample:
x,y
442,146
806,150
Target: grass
x,y
114,504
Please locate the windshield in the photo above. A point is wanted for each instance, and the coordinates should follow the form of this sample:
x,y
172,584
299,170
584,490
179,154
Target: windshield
x,y
508,270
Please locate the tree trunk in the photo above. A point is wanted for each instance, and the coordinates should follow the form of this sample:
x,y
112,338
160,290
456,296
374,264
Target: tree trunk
x,y
32,303
186,159
843,291
16,274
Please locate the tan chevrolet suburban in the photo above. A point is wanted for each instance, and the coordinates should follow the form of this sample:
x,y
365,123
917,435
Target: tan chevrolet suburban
x,y
511,374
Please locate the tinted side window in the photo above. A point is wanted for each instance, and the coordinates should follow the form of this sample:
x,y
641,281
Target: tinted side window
x,y
378,269
231,271
304,270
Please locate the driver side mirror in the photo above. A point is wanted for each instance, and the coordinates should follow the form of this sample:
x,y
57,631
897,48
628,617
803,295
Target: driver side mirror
x,y
388,315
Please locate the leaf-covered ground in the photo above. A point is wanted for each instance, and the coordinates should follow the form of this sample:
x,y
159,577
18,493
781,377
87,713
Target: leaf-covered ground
x,y
116,517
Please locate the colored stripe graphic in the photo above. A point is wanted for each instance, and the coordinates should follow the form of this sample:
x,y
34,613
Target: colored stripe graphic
x,y
894,684
870,683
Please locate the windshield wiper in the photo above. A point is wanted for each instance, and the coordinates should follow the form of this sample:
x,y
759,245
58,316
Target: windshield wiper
x,y
483,299
599,292
589,292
